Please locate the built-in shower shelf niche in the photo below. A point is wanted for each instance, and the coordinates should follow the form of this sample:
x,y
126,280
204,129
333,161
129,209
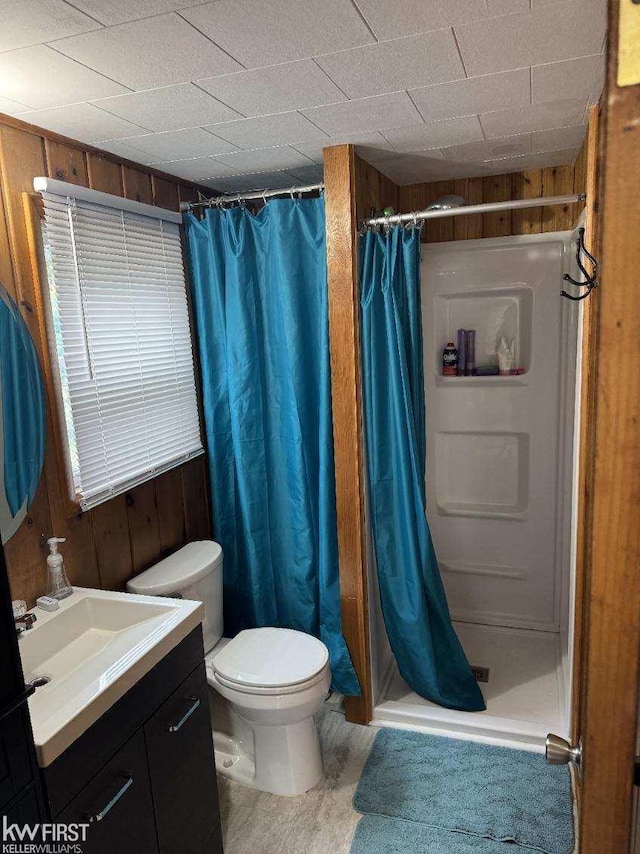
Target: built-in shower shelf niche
x,y
481,382
482,475
503,310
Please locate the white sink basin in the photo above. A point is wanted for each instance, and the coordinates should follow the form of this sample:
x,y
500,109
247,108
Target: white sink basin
x,y
93,649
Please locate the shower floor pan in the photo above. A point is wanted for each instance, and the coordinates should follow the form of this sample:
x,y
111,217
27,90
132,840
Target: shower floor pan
x,y
524,692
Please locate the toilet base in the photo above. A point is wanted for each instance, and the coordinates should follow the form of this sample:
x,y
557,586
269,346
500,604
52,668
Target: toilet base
x,y
287,758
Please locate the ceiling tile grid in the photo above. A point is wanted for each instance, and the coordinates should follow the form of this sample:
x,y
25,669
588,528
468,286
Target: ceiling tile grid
x,y
244,94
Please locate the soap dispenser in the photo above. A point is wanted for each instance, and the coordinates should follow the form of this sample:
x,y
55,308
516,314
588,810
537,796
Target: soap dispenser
x,y
57,584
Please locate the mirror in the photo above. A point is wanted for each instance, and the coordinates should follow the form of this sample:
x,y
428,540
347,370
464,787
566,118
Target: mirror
x,y
22,418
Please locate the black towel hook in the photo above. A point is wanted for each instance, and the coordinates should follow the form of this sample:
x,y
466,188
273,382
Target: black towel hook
x,y
591,279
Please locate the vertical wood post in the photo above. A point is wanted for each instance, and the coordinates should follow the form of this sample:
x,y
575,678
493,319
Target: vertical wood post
x,y
344,331
613,593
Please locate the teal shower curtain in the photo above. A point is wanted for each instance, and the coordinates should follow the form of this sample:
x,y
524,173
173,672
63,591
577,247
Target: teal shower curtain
x,y
260,300
426,647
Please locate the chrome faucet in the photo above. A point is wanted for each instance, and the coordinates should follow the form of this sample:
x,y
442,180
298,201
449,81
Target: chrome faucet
x,y
24,623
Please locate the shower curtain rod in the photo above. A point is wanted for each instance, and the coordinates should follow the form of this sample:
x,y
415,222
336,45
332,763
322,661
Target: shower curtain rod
x,y
488,207
244,197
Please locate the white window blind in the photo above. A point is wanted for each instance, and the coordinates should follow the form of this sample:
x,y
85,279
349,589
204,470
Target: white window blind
x,y
120,338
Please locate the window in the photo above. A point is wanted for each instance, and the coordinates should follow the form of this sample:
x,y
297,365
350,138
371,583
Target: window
x,y
120,339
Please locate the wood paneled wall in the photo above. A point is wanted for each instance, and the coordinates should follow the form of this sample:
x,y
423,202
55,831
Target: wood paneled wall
x,y
121,537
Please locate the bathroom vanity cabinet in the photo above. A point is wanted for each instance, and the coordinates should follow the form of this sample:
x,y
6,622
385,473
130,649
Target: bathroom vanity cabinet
x,y
143,775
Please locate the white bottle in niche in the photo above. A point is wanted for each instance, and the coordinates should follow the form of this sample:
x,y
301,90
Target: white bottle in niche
x,y
57,583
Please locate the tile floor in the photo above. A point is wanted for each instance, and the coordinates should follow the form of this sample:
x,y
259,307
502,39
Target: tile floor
x,y
321,821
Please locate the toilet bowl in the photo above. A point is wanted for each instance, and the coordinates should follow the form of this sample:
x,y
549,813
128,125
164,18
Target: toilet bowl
x,y
265,684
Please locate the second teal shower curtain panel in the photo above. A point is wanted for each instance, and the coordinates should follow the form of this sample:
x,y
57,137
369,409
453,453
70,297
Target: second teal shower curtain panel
x,y
260,299
426,647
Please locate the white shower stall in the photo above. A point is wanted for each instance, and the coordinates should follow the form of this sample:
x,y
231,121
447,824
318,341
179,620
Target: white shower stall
x,y
501,488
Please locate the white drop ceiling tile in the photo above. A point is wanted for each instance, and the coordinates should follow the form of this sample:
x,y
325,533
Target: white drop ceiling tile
x,y
417,162
548,34
571,78
255,181
450,171
266,160
195,169
313,174
169,108
179,144
10,108
400,174
489,149
416,168
378,156
40,77
212,184
277,89
258,33
391,66
507,7
552,114
474,95
266,131
110,12
440,134
311,150
146,54
558,138
531,161
27,22
83,122
121,149
366,114
375,141
406,17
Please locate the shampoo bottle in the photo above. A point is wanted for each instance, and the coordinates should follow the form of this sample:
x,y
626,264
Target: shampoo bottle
x,y
57,582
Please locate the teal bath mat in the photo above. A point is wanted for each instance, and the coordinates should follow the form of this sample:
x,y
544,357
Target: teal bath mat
x,y
376,834
492,792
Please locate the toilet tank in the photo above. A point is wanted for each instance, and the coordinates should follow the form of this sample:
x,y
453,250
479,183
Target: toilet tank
x,y
193,572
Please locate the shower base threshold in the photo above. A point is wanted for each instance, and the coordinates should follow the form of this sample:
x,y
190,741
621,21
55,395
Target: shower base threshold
x,y
524,695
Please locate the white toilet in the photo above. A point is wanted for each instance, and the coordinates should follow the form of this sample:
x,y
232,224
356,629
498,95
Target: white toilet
x,y
272,681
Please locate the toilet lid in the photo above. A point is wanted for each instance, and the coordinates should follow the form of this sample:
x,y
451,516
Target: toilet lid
x,y
271,658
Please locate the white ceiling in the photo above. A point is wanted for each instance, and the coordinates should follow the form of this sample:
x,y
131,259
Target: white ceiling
x,y
245,94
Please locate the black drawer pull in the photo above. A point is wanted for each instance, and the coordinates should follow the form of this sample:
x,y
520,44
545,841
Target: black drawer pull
x,y
186,716
114,800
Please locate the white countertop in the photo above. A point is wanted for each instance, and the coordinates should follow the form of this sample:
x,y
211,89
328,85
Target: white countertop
x,y
94,649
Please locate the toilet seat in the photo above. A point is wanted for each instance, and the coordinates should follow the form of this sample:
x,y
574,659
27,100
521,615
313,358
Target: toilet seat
x,y
276,690
270,661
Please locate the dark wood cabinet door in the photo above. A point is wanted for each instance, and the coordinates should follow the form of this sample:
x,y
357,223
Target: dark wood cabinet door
x,y
183,780
16,771
117,803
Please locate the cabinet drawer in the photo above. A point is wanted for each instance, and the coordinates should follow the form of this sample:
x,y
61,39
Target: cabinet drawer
x,y
181,763
117,804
